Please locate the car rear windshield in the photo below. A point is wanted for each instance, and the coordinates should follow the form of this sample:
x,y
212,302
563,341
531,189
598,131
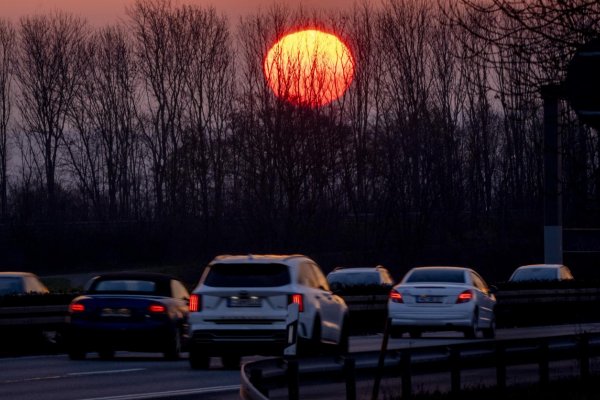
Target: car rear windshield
x,y
354,278
124,286
535,274
437,275
10,285
247,275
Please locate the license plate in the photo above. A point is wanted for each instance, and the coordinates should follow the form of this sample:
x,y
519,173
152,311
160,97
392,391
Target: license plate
x,y
251,301
430,299
116,312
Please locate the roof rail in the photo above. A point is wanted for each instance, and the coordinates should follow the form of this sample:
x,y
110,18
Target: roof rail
x,y
293,256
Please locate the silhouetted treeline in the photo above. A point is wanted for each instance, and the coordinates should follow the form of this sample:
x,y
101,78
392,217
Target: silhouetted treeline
x,y
162,137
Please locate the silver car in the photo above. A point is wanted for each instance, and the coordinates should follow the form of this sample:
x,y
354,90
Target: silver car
x,y
442,299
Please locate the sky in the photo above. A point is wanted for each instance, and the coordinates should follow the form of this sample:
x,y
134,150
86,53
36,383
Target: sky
x,y
100,12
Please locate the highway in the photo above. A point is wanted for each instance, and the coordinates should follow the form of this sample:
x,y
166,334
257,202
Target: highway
x,y
147,376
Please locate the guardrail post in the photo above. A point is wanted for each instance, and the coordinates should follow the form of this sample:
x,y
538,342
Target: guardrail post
x,y
406,374
454,371
544,363
256,377
350,378
381,362
500,367
293,379
584,357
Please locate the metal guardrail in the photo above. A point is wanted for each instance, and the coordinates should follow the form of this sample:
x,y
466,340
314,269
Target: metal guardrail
x,y
259,377
34,316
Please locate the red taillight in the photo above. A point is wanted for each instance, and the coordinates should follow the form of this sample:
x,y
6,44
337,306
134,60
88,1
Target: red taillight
x,y
195,303
157,308
395,296
464,297
76,307
297,298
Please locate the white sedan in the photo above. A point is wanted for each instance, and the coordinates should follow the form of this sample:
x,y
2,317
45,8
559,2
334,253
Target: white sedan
x,y
442,299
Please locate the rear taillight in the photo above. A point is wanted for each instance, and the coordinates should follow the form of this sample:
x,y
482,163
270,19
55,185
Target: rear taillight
x,y
297,298
76,308
395,296
157,309
464,297
195,304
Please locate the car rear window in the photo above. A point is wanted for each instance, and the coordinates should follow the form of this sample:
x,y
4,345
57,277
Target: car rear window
x,y
437,275
10,285
124,286
535,274
247,275
354,278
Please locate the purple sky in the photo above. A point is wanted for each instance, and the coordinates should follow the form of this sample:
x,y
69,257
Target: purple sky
x,y
99,12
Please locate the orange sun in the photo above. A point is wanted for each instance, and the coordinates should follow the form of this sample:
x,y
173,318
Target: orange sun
x,y
309,67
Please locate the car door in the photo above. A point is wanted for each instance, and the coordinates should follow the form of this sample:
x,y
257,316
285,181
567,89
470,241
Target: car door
x,y
332,306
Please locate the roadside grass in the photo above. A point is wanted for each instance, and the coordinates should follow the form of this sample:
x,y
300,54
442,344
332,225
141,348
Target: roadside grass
x,y
565,389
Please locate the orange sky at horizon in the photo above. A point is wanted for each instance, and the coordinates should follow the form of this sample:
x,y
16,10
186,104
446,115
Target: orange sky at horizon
x,y
99,12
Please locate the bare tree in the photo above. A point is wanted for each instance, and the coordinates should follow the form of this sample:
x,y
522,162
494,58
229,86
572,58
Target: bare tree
x,y
7,49
49,74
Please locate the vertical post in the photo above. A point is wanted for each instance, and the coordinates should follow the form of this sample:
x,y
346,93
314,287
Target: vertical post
x,y
454,372
500,367
544,363
406,374
350,377
553,253
380,363
293,378
584,357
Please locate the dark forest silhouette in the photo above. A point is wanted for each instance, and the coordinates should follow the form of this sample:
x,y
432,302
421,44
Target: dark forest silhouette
x,y
159,141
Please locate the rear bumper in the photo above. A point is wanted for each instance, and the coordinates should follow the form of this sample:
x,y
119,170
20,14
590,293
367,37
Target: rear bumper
x,y
90,337
240,342
431,319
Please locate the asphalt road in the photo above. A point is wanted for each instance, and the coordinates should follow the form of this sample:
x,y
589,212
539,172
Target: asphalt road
x,y
144,376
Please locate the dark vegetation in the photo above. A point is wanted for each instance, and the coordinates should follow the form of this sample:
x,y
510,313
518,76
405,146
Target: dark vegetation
x,y
157,141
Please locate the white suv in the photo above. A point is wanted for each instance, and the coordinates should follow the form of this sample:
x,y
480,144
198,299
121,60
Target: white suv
x,y
240,307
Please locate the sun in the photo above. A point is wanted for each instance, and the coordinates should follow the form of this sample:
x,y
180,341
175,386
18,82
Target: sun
x,y
309,67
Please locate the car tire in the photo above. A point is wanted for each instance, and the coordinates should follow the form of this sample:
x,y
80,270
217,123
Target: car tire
x,y
173,349
106,354
490,333
231,362
311,346
415,334
197,358
343,346
471,332
76,354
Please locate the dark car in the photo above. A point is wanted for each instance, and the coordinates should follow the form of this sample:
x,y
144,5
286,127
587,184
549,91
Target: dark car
x,y
128,311
365,290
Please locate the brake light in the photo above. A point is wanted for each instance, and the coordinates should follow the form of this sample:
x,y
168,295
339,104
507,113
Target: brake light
x,y
297,298
76,307
464,297
395,296
195,303
157,308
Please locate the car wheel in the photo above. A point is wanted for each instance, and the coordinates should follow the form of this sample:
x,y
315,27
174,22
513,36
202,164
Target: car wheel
x,y
76,354
343,346
174,345
106,354
415,334
312,345
198,360
471,332
490,333
231,362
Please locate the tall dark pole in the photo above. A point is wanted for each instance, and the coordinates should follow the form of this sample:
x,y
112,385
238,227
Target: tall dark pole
x,y
553,249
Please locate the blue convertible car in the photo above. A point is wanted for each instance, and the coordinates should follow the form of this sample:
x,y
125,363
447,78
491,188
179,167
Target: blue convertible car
x,y
128,311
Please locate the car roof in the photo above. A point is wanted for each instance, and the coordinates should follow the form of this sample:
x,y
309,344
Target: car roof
x,y
259,259
443,267
15,274
541,266
352,270
134,275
